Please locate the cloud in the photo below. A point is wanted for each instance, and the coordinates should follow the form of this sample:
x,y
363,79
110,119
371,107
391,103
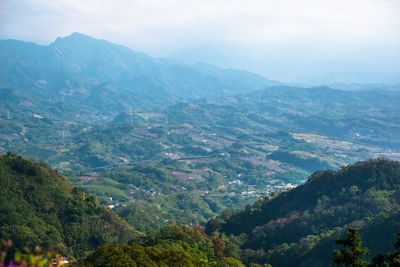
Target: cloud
x,y
318,28
171,21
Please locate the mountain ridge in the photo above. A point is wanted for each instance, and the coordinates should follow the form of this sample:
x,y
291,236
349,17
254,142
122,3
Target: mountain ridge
x,y
25,63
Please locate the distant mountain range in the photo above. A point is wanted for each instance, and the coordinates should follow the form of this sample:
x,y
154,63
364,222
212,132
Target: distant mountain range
x,y
392,79
80,68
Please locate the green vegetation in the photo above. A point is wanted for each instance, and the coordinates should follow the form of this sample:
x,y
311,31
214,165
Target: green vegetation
x,y
352,254
173,245
38,206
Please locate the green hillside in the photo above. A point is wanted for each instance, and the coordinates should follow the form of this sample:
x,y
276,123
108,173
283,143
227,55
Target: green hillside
x,y
298,227
38,206
171,246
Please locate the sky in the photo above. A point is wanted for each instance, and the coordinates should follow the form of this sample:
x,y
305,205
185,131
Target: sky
x,y
289,40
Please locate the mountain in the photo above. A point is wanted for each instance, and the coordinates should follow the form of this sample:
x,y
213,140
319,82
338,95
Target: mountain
x,y
127,118
298,227
363,86
38,206
387,78
77,66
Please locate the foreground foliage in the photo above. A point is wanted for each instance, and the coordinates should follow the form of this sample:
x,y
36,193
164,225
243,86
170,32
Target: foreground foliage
x,y
35,258
173,245
353,254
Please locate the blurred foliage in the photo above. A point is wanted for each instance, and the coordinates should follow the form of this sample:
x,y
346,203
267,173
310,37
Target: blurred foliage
x,y
35,258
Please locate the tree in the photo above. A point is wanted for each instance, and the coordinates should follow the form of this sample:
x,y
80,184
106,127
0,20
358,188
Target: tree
x,y
352,254
390,259
397,244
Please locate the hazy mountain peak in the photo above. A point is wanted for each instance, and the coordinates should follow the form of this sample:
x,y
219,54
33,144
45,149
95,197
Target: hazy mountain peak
x,y
79,40
80,35
76,36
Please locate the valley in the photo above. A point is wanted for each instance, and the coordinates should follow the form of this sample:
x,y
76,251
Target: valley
x,y
193,160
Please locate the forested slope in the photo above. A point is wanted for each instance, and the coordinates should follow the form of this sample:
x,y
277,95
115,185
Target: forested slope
x,y
38,206
298,227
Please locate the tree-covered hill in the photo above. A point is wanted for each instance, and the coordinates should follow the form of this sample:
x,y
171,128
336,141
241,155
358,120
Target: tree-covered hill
x,y
171,246
298,227
38,206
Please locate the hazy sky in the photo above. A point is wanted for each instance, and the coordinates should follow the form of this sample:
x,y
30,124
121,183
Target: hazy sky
x,y
281,39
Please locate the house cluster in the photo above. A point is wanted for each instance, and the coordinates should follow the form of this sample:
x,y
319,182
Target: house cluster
x,y
282,187
231,183
249,193
235,182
